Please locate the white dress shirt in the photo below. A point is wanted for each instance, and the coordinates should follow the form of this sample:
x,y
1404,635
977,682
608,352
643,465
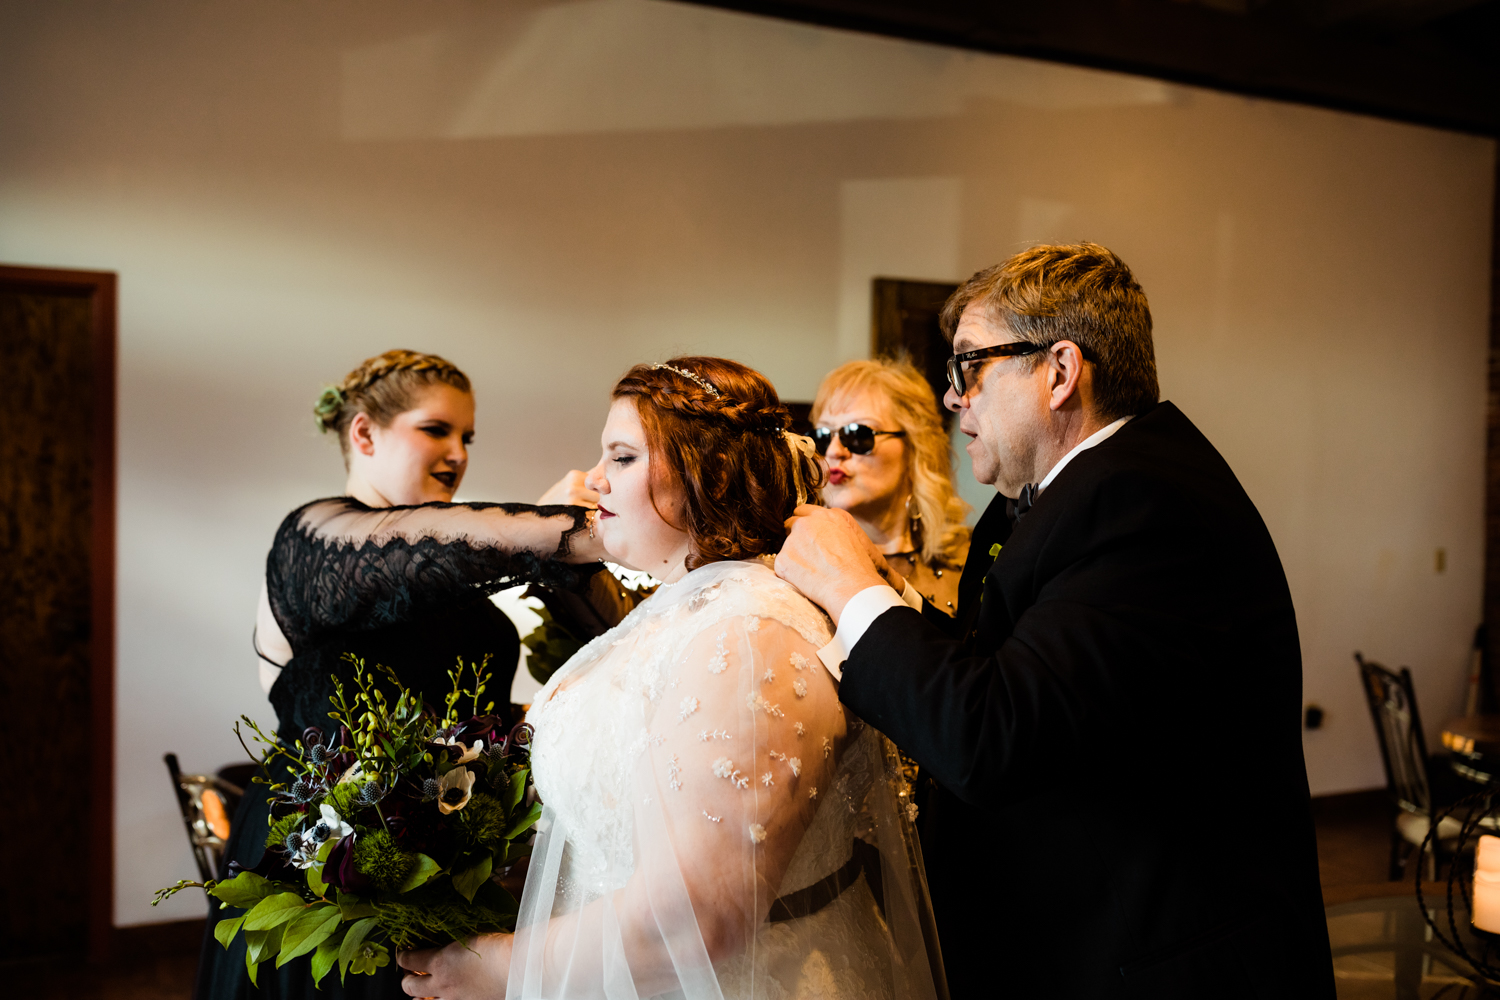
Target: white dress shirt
x,y
872,602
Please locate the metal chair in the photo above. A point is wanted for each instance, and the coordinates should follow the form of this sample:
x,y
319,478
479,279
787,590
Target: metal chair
x,y
1411,774
206,802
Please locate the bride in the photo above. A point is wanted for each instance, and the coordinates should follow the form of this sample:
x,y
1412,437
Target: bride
x,y
714,823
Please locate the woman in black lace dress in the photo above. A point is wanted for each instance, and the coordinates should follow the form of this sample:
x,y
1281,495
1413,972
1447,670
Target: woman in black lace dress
x,y
395,574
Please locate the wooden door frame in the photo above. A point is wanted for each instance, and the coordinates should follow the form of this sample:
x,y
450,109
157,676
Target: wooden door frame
x,y
100,288
1491,632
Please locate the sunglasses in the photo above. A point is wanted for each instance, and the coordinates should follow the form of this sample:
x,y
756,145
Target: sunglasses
x,y
857,439
958,364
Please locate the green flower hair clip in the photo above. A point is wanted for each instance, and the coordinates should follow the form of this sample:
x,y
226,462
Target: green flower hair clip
x,y
330,401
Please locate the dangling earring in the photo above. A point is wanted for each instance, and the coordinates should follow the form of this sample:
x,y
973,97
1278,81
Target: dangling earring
x,y
913,520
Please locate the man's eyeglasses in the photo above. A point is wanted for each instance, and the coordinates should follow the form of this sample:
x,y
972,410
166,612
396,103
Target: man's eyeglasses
x,y
857,439
958,364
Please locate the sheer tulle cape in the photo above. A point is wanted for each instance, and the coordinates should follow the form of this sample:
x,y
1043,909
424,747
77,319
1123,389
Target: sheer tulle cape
x,y
714,825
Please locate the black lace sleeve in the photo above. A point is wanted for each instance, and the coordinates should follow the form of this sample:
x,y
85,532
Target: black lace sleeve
x,y
338,566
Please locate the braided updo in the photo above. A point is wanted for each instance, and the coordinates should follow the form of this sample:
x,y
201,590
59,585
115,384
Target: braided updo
x,y
725,453
383,387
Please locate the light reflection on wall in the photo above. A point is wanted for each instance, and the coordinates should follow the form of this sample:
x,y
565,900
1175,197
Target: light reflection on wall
x,y
558,69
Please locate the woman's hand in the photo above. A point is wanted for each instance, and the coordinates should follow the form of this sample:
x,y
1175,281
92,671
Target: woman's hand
x,y
571,490
476,971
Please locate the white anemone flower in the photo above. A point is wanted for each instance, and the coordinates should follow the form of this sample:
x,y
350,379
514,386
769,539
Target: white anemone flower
x,y
337,828
454,789
471,753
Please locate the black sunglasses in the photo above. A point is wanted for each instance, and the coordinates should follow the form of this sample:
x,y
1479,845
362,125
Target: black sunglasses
x,y
956,363
857,439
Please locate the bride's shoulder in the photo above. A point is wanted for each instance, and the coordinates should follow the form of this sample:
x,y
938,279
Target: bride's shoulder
x,y
751,588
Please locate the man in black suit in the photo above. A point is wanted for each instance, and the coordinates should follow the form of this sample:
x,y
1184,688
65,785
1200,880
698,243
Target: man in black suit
x,y
1113,720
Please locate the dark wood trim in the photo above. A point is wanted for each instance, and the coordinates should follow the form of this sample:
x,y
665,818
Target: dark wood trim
x,y
100,288
174,937
1492,468
1402,889
1255,52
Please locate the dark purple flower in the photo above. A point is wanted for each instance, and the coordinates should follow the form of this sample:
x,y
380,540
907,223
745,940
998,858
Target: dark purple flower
x,y
520,736
484,727
340,872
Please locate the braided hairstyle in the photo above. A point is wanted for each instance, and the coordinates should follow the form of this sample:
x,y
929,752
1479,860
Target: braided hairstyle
x,y
725,455
383,387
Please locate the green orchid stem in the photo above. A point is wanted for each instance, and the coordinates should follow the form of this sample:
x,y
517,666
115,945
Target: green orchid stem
x,y
382,817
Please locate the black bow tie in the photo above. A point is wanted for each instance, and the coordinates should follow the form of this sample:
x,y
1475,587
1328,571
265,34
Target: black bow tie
x,y
1022,503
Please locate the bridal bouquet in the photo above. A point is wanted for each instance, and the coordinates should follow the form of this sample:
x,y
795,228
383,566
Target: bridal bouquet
x,y
387,834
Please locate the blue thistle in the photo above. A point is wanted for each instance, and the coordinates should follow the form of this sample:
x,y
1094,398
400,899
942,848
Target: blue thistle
x,y
430,789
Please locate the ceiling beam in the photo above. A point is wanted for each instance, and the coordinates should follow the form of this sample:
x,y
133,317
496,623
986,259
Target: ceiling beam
x,y
1188,43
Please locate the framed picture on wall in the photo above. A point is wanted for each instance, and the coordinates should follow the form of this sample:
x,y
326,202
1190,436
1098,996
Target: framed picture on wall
x,y
904,326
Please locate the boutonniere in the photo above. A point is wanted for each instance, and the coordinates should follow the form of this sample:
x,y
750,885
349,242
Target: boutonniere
x,y
994,557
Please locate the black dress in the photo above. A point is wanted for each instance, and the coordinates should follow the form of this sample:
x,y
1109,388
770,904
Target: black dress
x,y
407,587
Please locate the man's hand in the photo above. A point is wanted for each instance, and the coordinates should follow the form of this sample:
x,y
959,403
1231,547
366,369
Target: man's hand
x,y
829,558
570,489
476,972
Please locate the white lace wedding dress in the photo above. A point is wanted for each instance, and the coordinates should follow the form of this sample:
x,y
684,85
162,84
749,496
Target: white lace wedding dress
x,y
713,823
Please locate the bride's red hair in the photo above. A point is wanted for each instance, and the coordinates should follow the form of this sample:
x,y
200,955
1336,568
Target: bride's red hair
x,y
724,455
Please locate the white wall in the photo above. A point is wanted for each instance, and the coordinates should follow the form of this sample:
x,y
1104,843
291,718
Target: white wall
x,y
549,192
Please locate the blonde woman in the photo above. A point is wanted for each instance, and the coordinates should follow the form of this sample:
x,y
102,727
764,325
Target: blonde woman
x,y
891,467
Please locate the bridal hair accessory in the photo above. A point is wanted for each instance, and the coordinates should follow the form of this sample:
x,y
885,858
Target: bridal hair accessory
x,y
799,442
691,376
330,401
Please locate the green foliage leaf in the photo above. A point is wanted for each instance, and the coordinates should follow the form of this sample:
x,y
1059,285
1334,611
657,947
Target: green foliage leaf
x,y
273,911
225,930
468,881
259,946
524,823
307,930
351,907
421,873
352,942
327,954
315,881
517,789
244,890
501,904
515,852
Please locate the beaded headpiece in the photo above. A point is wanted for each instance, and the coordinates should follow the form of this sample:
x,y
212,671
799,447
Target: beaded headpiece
x,y
702,382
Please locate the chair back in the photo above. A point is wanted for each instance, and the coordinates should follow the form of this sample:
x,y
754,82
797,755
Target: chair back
x,y
205,803
1398,726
